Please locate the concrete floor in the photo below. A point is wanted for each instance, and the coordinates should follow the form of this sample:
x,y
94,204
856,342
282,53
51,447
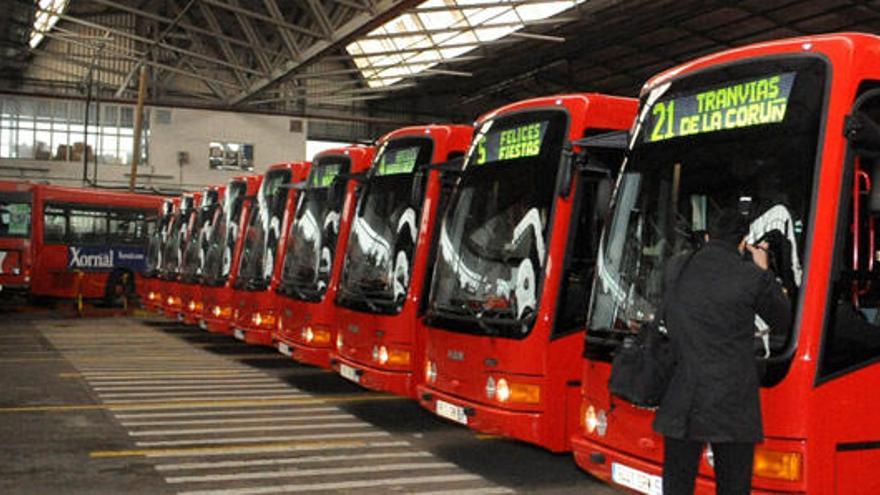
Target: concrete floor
x,y
141,405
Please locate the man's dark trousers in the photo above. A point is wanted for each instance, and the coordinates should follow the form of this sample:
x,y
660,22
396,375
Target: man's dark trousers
x,y
733,466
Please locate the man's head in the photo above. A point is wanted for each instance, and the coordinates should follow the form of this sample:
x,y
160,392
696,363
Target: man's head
x,y
729,226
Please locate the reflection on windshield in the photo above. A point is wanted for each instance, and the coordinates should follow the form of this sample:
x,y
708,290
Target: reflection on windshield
x,y
224,234
493,238
171,254
154,246
264,231
379,253
311,242
672,189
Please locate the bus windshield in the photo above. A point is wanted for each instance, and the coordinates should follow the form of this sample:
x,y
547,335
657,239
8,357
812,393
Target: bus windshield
x,y
223,235
263,231
744,136
196,248
379,253
15,215
157,238
173,240
493,238
311,242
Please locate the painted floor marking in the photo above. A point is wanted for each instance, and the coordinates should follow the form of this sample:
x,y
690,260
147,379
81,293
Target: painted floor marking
x,y
339,485
191,396
277,438
299,473
241,429
489,490
179,382
280,417
206,390
235,450
284,461
234,412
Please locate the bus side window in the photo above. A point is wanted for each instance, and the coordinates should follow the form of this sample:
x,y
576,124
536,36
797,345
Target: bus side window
x,y
126,227
54,225
88,226
852,333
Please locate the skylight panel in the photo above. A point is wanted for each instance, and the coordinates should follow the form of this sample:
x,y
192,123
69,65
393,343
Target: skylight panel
x,y
426,37
47,16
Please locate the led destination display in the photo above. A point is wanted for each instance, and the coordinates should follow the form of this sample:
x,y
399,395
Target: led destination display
x,y
398,161
522,141
323,175
744,104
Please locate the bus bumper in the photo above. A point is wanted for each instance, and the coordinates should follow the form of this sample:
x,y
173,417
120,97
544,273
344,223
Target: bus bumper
x,y
255,336
525,426
218,325
399,383
315,356
612,466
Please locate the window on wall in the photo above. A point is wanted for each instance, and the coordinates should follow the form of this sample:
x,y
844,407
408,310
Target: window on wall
x,y
224,155
43,129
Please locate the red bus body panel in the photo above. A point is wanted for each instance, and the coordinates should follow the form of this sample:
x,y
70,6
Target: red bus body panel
x,y
295,314
361,331
461,358
833,423
15,252
265,302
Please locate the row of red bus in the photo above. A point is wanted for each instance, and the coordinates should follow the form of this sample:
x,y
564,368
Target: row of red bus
x,y
491,272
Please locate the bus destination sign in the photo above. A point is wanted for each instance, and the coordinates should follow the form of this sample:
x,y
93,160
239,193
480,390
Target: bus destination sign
x,y
523,141
324,175
399,161
745,104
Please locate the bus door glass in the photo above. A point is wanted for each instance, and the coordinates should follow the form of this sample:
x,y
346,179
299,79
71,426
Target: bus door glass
x,y
264,230
687,162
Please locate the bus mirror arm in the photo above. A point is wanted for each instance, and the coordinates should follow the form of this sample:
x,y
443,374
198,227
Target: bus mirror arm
x,y
567,163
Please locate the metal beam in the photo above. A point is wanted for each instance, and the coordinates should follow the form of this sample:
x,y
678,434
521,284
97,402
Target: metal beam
x,y
227,50
248,29
360,22
288,40
264,18
166,46
317,11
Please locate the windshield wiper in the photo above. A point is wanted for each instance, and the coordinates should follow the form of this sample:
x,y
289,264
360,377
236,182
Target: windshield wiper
x,y
466,313
376,305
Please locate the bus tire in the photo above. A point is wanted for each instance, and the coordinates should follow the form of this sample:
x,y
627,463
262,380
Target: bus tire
x,y
120,284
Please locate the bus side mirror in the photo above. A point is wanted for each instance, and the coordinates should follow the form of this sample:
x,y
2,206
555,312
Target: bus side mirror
x,y
566,166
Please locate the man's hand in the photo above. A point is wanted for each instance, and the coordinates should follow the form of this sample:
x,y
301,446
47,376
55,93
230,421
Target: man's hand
x,y
759,254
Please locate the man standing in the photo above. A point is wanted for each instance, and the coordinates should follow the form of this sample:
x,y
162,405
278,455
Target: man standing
x,y
713,394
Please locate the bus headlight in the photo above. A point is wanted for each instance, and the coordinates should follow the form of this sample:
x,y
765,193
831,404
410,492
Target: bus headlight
x,y
339,342
191,306
151,296
307,335
317,336
596,421
504,391
392,356
170,300
375,353
257,319
778,465
430,371
383,355
216,311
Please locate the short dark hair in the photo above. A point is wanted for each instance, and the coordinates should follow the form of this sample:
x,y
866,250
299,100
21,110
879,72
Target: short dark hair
x,y
730,226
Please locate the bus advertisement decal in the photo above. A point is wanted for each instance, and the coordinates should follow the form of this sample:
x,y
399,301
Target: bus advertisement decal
x,y
98,258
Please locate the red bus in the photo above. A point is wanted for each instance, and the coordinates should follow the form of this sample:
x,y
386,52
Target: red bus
x,y
259,270
195,253
179,238
224,254
150,284
379,302
313,255
786,131
88,242
16,203
506,309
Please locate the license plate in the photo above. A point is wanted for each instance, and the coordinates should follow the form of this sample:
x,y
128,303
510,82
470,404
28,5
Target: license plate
x,y
636,480
349,373
284,349
451,411
239,334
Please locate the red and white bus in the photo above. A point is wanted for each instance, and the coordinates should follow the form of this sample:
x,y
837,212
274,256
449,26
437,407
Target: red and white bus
x,y
256,310
87,242
786,131
224,254
172,257
195,254
150,285
505,314
379,342
16,203
314,252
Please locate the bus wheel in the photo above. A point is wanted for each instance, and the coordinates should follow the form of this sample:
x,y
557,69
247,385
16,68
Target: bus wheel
x,y
120,286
